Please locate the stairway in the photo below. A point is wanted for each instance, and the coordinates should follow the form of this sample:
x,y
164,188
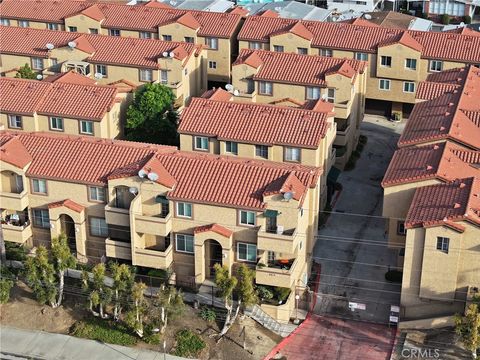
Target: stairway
x,y
260,316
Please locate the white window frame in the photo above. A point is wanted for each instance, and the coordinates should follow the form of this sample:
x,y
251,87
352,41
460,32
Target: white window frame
x,y
408,84
5,22
254,45
249,222
259,149
40,185
313,93
52,26
96,193
433,68
145,75
385,57
201,143
82,131
212,43
212,64
93,31
384,81
166,37
293,154
114,32
189,39
101,69
145,35
326,52
443,244
331,93
23,23
302,51
278,48
13,121
361,56
72,29
233,147
184,238
265,88
98,227
247,246
183,206
43,220
55,120
37,63
409,62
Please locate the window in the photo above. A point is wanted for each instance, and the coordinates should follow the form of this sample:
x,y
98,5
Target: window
x,y
386,61
253,45
384,84
401,230
408,87
313,93
23,23
5,22
15,121
86,127
146,75
292,154
185,72
72,29
443,244
164,76
101,69
39,186
212,43
247,218
54,61
436,65
98,227
331,95
145,35
184,209
201,143
37,63
56,123
231,147
93,31
361,56
247,252
41,218
96,193
326,52
114,32
302,51
265,88
261,151
212,64
411,64
167,37
52,26
189,39
184,243
278,48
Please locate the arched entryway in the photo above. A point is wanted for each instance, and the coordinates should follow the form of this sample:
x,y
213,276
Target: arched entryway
x,y
213,255
68,228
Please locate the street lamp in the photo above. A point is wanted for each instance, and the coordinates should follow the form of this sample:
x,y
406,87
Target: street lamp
x,y
164,349
296,321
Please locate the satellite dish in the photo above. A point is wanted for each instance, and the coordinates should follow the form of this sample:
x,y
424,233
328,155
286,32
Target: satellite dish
x,y
172,55
98,76
229,87
236,92
288,195
142,173
72,44
50,46
367,16
133,190
152,176
165,54
39,77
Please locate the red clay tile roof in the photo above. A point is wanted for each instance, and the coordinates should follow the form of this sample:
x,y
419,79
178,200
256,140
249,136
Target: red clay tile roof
x,y
20,96
319,105
70,77
465,31
254,123
442,161
49,11
289,102
454,116
354,37
446,204
217,94
68,203
269,13
105,49
94,12
200,178
14,153
359,21
238,10
188,20
298,29
298,69
405,39
219,229
287,183
430,90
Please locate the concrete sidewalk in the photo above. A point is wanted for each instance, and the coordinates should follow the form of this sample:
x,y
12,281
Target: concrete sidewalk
x,y
32,344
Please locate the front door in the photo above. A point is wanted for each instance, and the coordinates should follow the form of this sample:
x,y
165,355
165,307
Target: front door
x,y
272,224
215,257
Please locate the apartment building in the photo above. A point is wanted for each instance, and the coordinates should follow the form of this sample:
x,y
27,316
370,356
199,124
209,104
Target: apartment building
x,y
157,207
53,106
152,20
216,124
107,59
398,59
291,79
442,258
457,9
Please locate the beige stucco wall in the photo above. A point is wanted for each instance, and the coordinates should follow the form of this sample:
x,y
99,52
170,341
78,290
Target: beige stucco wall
x,y
290,43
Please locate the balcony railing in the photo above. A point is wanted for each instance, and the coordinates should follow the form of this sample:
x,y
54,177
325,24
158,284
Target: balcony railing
x,y
117,216
118,249
17,233
154,258
284,242
277,274
155,225
14,201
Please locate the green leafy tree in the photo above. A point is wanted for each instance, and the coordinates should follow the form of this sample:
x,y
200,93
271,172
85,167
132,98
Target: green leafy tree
x,y
99,295
151,117
62,260
134,318
245,287
5,287
468,328
40,277
123,280
226,284
26,72
166,306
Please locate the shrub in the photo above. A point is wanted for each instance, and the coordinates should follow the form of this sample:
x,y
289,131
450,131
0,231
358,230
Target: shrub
x,y
362,139
264,293
5,287
159,273
105,331
151,337
281,293
467,19
394,276
445,19
360,147
207,314
188,344
15,252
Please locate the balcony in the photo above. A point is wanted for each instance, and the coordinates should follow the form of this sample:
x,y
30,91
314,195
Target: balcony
x,y
14,201
152,258
17,233
117,216
279,273
342,137
280,241
118,249
342,109
155,225
245,95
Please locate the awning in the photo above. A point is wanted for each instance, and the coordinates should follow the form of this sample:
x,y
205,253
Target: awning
x,y
270,213
333,175
161,199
